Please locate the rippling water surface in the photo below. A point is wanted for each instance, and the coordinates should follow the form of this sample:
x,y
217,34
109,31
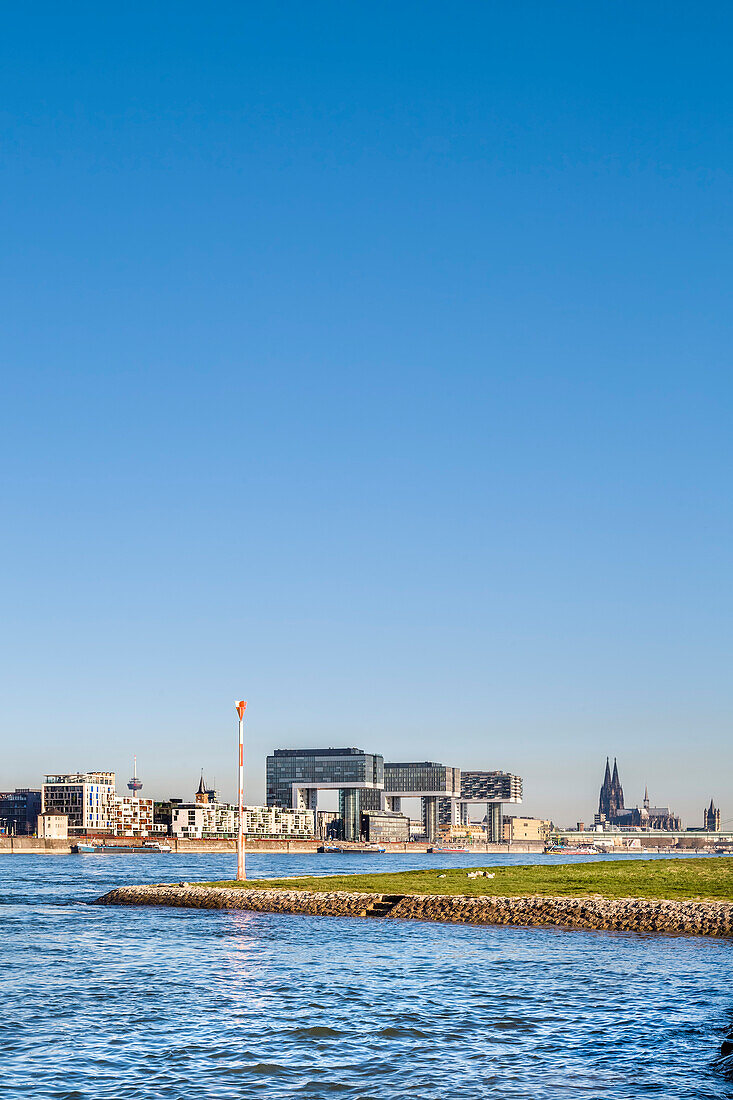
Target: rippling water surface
x,y
110,1003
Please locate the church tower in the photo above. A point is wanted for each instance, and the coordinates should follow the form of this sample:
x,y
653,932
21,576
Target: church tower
x,y
604,801
611,801
202,795
711,818
617,792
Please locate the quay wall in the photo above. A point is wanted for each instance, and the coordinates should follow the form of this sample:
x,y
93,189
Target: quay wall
x,y
700,918
27,844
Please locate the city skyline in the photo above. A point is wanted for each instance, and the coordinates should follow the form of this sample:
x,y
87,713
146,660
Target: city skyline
x,y
255,790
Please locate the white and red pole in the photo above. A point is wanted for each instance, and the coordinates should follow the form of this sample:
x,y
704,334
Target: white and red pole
x,y
241,876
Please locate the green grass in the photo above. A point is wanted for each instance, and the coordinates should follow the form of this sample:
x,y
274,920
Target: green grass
x,y
673,879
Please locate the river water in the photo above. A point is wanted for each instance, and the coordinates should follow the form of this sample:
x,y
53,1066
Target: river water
x,y
107,1003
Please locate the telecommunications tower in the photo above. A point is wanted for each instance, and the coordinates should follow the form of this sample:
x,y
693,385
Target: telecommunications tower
x,y
135,784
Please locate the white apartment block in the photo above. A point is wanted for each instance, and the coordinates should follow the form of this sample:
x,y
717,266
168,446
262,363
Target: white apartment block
x,y
215,820
133,816
86,798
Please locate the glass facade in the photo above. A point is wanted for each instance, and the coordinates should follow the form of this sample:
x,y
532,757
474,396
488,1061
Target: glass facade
x,y
320,768
382,827
425,777
366,784
19,810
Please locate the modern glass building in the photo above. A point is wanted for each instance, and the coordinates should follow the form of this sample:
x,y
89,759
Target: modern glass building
x,y
19,810
294,777
366,784
87,799
426,780
493,788
383,826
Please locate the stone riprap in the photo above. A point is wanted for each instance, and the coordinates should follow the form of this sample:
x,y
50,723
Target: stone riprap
x,y
697,918
190,896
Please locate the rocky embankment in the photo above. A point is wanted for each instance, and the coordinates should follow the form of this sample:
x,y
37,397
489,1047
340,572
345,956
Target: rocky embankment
x,y
697,918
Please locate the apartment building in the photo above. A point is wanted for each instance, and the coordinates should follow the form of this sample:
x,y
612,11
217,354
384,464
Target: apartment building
x,y
211,821
133,816
86,798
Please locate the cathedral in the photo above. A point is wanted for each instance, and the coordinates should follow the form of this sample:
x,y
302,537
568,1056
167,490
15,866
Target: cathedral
x,y
611,809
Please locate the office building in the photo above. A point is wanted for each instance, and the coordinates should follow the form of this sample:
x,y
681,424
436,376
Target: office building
x,y
426,780
385,827
163,814
87,799
492,788
365,784
294,777
19,810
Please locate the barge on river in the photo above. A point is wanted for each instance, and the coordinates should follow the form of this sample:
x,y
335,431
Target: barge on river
x,y
148,848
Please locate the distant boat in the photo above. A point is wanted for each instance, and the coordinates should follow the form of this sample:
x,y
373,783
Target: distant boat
x,y
152,847
359,850
563,850
441,848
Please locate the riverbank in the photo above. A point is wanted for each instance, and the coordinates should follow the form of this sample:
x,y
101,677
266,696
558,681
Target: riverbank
x,y
625,897
29,845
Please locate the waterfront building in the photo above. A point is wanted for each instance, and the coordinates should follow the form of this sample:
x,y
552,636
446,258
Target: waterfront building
x,y
195,820
366,783
711,818
612,811
492,788
87,799
52,826
295,776
19,810
163,814
385,826
428,781
210,821
133,816
328,825
525,828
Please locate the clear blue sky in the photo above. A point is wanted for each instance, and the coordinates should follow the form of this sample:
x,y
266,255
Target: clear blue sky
x,y
370,362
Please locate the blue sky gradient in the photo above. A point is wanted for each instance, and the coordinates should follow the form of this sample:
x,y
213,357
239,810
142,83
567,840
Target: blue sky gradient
x,y
370,362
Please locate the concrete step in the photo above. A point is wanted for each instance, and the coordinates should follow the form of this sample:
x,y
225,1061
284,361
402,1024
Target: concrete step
x,y
385,906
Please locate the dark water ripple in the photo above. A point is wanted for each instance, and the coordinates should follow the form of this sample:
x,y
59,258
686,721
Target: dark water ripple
x,y
155,1003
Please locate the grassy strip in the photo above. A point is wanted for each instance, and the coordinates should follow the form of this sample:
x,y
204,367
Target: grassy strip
x,y
671,879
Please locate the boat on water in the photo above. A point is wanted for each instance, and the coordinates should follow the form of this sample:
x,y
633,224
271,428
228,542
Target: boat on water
x,y
152,847
357,850
442,848
563,850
